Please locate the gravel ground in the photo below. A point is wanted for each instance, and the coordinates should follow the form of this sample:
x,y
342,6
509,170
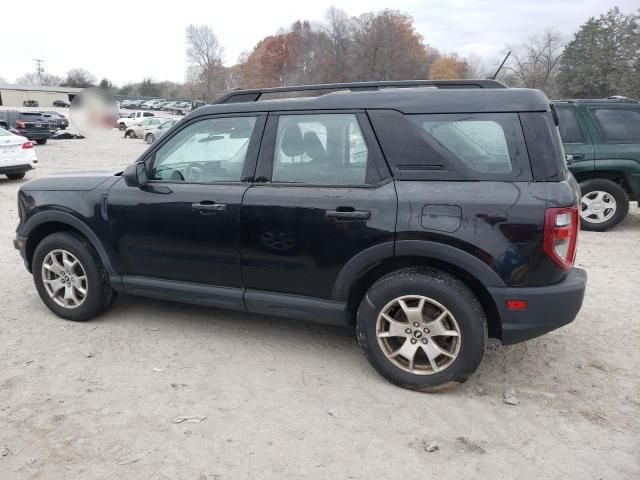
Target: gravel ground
x,y
156,390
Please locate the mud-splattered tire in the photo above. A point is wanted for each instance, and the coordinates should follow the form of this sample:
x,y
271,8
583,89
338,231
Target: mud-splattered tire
x,y
426,314
66,262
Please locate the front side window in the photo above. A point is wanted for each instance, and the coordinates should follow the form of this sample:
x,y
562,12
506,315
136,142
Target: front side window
x,y
568,126
618,124
321,149
168,124
210,150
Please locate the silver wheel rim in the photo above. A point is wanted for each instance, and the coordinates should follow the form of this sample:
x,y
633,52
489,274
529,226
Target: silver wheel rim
x,y
597,206
418,335
64,279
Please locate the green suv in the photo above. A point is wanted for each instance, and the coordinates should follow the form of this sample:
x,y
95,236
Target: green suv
x,y
601,141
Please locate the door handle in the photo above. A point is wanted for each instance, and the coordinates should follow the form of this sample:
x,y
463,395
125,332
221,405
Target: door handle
x,y
347,214
208,208
570,158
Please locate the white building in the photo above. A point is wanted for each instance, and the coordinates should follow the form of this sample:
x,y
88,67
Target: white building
x,y
15,95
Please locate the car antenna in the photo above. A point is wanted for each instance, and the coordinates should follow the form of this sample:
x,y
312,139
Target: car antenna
x,y
501,65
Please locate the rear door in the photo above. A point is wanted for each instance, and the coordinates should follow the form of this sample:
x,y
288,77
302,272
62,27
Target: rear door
x,y
322,195
576,139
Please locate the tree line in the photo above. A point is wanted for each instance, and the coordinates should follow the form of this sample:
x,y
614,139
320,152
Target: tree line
x,y
602,58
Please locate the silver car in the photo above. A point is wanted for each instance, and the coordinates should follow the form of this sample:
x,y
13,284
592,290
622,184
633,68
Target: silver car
x,y
153,134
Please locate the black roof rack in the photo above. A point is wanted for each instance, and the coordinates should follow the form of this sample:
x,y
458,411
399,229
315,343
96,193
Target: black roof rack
x,y
254,94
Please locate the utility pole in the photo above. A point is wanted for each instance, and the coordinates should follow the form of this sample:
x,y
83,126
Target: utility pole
x,y
39,68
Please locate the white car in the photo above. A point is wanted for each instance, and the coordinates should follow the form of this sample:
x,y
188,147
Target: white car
x,y
137,129
130,119
17,155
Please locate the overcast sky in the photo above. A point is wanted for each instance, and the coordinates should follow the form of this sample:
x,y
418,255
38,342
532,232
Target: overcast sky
x,y
126,41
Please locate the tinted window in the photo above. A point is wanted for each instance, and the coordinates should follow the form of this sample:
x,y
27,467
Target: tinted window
x,y
568,125
479,141
618,124
212,150
325,149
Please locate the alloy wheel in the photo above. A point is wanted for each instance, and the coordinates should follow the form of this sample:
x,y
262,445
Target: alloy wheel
x,y
64,278
597,206
418,335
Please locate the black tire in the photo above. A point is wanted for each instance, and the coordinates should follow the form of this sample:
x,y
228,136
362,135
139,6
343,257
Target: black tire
x,y
41,141
15,176
616,191
130,134
448,291
150,138
122,127
99,296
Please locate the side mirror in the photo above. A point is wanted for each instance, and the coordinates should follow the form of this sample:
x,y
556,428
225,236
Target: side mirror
x,y
135,175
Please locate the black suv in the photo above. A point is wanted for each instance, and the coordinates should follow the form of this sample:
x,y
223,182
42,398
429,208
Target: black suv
x,y
429,218
33,125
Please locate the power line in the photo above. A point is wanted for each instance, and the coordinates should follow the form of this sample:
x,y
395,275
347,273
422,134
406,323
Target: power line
x,y
39,68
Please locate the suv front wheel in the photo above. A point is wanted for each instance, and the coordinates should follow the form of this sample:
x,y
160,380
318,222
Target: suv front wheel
x,y
422,329
603,205
70,277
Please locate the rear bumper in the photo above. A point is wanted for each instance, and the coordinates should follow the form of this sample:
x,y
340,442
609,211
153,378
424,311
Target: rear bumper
x,y
35,134
23,167
548,307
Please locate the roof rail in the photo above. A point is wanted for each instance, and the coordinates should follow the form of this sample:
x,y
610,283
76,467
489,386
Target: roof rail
x,y
254,94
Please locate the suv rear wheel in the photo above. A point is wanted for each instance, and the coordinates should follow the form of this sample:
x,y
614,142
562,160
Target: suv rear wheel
x,y
15,176
70,277
603,205
422,329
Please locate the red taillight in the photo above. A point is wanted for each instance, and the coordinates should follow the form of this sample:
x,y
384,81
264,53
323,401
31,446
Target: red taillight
x,y
560,235
27,145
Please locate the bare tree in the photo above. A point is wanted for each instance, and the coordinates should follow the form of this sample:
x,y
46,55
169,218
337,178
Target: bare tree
x,y
204,52
535,63
32,78
79,78
338,29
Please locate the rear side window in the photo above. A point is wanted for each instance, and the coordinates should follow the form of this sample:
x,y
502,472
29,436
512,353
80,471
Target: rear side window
x,y
482,146
481,143
618,124
569,127
321,149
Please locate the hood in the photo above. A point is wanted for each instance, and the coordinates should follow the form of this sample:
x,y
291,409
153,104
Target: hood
x,y
71,181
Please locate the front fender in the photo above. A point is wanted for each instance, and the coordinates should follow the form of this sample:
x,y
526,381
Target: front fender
x,y
37,220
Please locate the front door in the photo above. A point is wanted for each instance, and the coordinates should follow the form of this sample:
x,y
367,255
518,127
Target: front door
x,y
183,225
325,196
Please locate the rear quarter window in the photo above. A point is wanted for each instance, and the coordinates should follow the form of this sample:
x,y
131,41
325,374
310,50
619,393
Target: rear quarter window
x,y
482,146
618,124
569,127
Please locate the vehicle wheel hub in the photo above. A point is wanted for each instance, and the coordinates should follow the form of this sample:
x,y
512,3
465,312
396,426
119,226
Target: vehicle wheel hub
x,y
418,335
64,279
597,206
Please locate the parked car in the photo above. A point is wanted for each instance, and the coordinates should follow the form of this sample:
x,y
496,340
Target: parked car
x,y
601,139
428,218
152,134
134,117
135,104
125,104
32,125
59,121
30,103
61,103
181,108
17,155
169,106
137,130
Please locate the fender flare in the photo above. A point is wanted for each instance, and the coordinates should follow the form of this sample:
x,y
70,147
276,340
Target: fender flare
x,y
47,216
371,257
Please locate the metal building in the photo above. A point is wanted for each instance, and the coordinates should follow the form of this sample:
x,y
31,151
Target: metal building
x,y
16,95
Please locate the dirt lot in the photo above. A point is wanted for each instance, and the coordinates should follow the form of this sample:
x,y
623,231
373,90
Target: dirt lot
x,y
269,398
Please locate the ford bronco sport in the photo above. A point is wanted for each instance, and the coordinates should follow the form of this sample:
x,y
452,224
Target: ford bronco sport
x,y
429,218
602,141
